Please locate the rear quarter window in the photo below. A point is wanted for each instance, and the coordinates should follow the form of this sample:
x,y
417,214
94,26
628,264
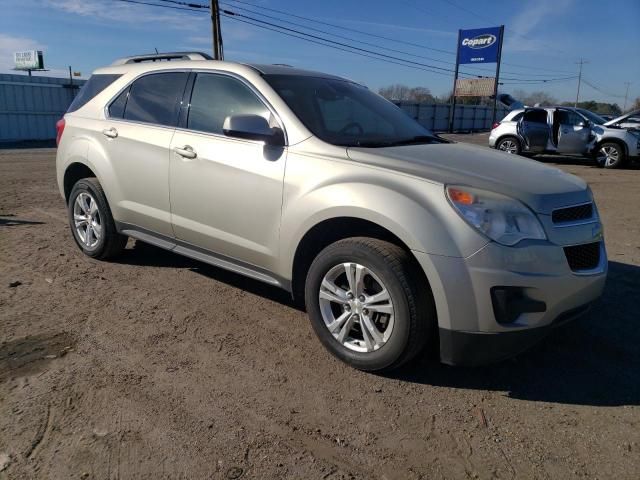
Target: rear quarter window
x,y
89,90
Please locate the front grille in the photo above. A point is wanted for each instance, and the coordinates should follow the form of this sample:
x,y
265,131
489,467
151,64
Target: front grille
x,y
583,257
572,214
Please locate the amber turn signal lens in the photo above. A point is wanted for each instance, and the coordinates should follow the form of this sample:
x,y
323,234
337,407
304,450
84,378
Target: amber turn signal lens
x,y
460,196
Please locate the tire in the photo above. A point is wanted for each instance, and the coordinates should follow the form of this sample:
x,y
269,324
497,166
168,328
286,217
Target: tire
x,y
101,240
509,145
610,155
400,336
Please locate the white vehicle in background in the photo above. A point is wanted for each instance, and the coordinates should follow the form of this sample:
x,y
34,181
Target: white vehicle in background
x,y
630,121
565,130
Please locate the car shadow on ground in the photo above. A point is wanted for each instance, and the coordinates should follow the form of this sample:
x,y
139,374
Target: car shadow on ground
x,y
594,360
144,254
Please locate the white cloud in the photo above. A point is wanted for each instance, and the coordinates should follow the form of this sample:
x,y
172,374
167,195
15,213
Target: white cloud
x,y
529,20
132,14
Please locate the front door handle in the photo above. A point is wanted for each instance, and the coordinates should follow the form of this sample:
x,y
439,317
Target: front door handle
x,y
186,152
110,132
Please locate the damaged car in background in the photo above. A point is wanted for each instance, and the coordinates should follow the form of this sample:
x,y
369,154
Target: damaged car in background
x,y
565,130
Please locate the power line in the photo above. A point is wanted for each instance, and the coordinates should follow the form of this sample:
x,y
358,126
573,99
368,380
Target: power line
x,y
162,6
403,52
331,46
448,52
327,42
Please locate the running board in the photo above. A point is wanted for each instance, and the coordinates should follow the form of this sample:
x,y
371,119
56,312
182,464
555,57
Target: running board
x,y
202,255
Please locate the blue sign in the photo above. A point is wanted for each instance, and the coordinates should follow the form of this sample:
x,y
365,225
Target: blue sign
x,y
479,45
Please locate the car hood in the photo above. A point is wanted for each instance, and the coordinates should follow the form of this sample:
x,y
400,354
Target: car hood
x,y
541,187
621,118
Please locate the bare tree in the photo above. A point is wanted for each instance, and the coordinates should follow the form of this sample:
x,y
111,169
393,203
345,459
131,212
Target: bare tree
x,y
532,98
402,93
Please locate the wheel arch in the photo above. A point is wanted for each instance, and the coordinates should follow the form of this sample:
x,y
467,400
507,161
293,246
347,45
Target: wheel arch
x,y
73,173
509,135
615,140
331,230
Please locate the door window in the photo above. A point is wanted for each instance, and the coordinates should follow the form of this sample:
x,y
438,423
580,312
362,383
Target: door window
x,y
215,97
536,116
567,117
155,98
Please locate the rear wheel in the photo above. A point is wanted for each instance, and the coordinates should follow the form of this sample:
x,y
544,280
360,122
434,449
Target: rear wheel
x,y
368,305
91,222
510,145
610,155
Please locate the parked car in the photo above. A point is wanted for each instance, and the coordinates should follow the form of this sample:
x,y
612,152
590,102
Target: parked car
x,y
396,240
629,121
605,116
564,130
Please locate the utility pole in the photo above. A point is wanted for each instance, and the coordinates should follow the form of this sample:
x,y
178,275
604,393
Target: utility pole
x,y
216,33
581,62
626,97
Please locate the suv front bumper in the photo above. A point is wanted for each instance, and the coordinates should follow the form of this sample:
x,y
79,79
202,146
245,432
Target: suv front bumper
x,y
470,333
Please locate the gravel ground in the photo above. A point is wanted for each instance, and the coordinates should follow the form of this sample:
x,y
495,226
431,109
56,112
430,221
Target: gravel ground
x,y
157,366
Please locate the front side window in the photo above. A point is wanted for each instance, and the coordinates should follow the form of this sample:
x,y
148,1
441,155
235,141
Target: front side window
x,y
216,97
568,117
156,98
344,113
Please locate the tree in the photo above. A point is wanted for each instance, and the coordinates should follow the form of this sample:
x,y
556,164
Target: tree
x,y
402,93
636,104
543,99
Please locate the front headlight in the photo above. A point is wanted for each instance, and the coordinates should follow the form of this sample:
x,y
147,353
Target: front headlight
x,y
501,218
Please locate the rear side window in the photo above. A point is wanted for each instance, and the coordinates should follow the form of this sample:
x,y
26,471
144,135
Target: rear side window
x,y
517,117
116,109
155,98
215,97
93,87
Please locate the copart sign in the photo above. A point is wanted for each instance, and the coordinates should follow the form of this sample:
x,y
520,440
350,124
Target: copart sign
x,y
479,46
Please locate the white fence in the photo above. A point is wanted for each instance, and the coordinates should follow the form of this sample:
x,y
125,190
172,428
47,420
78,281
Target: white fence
x,y
468,118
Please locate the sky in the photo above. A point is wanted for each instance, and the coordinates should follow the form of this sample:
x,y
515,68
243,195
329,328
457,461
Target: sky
x,y
544,39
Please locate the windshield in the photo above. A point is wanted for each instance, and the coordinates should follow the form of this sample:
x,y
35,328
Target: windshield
x,y
345,113
593,118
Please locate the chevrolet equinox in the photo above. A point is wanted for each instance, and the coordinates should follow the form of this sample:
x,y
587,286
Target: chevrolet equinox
x,y
397,241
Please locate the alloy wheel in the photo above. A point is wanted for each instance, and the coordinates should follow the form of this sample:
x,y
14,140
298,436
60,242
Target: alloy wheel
x,y
508,146
356,307
608,156
87,221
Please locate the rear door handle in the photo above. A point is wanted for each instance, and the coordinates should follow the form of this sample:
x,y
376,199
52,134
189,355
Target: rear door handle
x,y
186,152
110,132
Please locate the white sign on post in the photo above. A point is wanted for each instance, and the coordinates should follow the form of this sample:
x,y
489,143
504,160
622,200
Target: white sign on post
x,y
29,60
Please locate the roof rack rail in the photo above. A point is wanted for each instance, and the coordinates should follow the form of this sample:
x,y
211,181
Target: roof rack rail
x,y
158,57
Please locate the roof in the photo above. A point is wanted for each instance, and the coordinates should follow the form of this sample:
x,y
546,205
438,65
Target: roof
x,y
279,69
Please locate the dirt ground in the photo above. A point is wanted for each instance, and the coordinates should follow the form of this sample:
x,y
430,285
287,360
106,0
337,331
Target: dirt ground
x,y
157,366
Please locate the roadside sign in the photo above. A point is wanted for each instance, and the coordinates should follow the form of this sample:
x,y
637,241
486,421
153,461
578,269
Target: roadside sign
x,y
475,87
28,60
480,45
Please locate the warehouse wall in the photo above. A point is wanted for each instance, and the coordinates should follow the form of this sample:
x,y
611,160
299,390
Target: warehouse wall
x,y
31,106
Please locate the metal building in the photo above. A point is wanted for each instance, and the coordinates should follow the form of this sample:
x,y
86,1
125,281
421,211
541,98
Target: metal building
x,y
31,106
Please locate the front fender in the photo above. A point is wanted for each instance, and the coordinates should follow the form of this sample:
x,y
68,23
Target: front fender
x,y
414,210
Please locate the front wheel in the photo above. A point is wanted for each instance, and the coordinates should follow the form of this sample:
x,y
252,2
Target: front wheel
x,y
510,145
368,304
610,155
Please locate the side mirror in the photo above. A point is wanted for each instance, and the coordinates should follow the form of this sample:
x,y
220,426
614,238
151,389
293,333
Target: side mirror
x,y
252,127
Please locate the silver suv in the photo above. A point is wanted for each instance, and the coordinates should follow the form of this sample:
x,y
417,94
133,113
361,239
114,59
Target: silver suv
x,y
565,130
396,240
